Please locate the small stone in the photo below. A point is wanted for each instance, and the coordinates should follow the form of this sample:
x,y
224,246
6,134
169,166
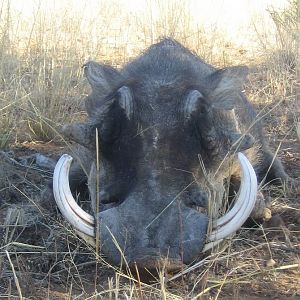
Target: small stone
x,y
267,214
270,263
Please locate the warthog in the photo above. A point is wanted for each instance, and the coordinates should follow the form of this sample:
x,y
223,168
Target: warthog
x,y
171,131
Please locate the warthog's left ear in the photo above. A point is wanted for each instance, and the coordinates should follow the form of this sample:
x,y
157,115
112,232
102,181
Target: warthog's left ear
x,y
102,78
226,85
106,81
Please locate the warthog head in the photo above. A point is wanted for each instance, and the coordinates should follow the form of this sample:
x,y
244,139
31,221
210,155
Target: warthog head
x,y
168,138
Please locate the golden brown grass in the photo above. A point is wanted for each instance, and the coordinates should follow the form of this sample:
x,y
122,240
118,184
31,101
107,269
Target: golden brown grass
x,y
42,87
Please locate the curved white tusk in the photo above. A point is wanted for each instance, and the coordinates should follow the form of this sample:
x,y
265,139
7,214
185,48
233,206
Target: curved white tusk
x,y
69,197
236,208
89,239
211,245
81,220
245,203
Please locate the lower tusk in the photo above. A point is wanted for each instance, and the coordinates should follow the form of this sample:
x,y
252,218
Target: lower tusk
x,y
79,219
211,245
89,239
239,202
236,217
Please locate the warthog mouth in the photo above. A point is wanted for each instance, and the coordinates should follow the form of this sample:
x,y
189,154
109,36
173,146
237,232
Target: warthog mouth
x,y
222,227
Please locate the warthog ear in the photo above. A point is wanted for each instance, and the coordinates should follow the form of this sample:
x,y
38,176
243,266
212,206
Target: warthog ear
x,y
106,81
226,85
102,78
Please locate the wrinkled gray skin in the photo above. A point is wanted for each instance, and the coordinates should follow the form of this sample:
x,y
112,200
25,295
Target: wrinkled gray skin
x,y
157,117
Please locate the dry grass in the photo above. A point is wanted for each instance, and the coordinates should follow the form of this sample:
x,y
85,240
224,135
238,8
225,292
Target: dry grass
x,y
42,87
41,56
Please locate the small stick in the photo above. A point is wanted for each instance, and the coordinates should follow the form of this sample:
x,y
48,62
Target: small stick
x,y
97,196
139,282
15,275
97,233
298,130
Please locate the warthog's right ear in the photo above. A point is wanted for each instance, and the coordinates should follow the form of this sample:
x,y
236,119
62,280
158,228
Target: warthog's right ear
x,y
226,85
102,78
